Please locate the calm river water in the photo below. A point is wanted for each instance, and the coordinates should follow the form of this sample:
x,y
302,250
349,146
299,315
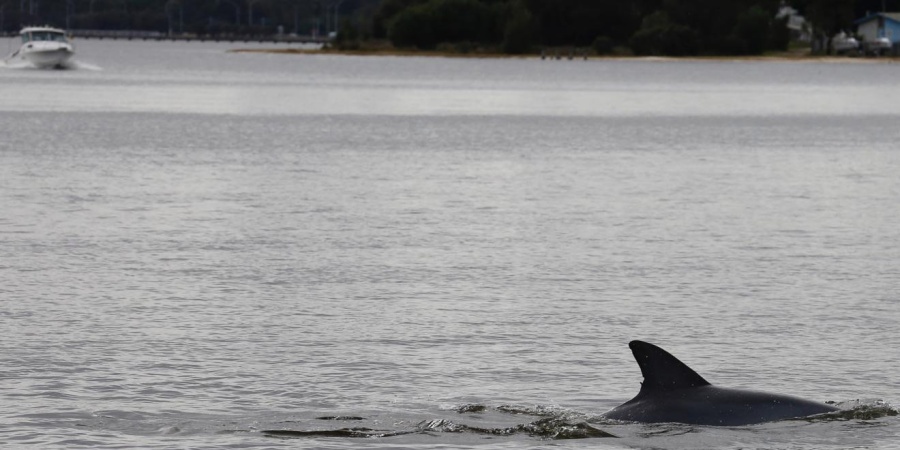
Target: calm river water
x,y
198,247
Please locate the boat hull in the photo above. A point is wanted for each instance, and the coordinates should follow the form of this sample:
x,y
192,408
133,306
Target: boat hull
x,y
48,58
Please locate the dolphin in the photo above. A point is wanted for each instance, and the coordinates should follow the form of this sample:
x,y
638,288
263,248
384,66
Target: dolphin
x,y
673,392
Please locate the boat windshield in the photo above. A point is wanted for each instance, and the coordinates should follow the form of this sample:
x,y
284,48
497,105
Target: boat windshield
x,y
44,36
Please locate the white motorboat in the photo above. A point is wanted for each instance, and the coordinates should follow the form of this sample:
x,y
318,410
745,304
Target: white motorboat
x,y
878,46
843,44
44,47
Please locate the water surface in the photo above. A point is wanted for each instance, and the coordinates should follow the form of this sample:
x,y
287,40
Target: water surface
x,y
197,246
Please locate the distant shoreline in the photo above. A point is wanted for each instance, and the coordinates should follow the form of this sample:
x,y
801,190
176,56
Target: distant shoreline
x,y
780,57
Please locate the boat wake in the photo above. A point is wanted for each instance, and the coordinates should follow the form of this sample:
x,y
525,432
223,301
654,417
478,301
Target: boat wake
x,y
72,64
545,424
15,64
475,424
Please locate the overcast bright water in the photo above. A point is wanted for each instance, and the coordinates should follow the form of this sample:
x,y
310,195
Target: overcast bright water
x,y
197,246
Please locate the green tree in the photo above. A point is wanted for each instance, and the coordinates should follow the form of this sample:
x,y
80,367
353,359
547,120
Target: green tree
x,y
659,35
752,30
580,22
387,11
520,31
442,21
412,27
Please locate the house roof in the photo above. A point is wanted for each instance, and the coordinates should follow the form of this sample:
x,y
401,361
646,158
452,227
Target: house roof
x,y
893,16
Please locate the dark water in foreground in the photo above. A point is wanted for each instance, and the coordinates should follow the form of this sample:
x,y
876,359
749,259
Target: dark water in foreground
x,y
198,248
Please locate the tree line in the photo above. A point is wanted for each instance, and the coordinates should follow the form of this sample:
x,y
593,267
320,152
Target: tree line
x,y
202,17
643,27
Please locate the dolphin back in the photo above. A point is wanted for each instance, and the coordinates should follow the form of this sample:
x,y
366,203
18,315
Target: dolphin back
x,y
673,392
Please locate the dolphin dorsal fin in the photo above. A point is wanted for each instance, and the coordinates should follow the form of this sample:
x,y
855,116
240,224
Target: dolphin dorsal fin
x,y
661,370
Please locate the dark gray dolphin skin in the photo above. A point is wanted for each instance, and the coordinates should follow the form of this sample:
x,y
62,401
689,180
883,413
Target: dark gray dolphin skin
x,y
673,392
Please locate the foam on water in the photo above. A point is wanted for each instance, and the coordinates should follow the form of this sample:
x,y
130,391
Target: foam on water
x,y
75,64
72,64
16,64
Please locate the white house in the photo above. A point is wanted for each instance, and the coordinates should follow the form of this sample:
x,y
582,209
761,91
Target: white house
x,y
880,30
795,23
